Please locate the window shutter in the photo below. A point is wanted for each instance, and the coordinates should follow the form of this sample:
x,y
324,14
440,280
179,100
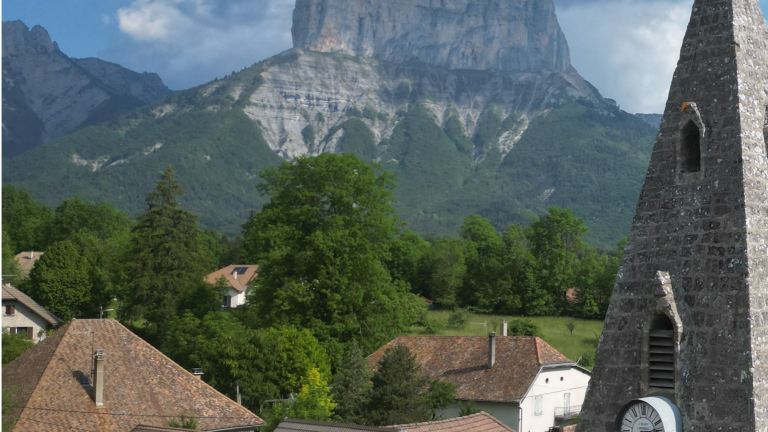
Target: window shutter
x,y
12,330
537,408
30,333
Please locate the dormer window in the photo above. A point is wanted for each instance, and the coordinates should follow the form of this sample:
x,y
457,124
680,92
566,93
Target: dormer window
x,y
690,148
661,352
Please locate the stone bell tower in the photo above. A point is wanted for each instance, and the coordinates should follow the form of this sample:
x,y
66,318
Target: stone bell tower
x,y
687,324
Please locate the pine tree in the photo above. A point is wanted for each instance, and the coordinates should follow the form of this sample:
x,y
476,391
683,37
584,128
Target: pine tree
x,y
399,393
351,385
166,260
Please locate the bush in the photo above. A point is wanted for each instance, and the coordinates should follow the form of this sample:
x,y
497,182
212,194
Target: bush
x,y
458,319
434,326
523,327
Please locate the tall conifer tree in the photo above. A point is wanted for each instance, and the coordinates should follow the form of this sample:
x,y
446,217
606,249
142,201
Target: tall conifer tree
x,y
166,260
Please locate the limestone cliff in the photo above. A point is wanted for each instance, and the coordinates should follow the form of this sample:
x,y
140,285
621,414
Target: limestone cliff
x,y
508,35
46,94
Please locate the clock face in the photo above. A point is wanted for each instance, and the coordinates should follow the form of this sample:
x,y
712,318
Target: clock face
x,y
641,417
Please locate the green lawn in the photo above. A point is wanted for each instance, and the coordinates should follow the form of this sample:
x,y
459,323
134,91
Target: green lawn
x,y
554,331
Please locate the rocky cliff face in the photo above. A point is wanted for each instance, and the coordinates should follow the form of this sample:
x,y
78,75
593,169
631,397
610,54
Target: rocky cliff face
x,y
46,94
507,35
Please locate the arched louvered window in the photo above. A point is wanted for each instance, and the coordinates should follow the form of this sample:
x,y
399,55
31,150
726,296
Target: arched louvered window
x,y
690,148
661,352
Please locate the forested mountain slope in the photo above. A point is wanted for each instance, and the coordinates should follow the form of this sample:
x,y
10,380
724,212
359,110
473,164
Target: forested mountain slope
x,y
499,139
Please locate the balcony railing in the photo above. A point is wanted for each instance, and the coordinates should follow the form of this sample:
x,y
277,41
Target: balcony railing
x,y
567,413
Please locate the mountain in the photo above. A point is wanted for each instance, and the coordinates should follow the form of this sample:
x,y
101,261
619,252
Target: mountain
x,y
493,121
46,94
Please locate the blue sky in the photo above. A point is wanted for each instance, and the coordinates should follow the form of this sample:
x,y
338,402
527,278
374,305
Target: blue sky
x,y
626,48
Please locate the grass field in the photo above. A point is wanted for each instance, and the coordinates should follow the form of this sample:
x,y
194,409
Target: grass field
x,y
554,331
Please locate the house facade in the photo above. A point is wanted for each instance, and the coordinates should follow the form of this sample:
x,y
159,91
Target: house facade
x,y
238,278
22,315
522,381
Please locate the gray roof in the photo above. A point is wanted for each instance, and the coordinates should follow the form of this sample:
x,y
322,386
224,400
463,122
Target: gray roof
x,y
292,425
11,293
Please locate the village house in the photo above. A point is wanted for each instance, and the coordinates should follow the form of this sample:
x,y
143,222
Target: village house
x,y
22,315
97,375
523,381
480,422
238,278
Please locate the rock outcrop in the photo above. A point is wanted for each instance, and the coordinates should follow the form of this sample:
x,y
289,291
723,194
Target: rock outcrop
x,y
46,94
507,35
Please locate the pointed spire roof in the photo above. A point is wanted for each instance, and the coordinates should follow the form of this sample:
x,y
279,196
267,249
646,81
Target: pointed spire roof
x,y
702,218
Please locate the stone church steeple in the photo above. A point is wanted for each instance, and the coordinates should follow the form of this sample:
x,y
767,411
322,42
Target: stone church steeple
x,y
685,343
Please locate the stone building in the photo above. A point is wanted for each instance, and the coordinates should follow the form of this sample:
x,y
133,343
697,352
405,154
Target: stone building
x,y
685,339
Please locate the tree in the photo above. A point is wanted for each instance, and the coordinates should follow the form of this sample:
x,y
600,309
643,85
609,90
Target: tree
x,y
10,411
351,385
312,403
555,240
405,253
268,363
443,268
487,286
24,219
60,281
74,216
320,243
10,266
14,345
165,261
401,394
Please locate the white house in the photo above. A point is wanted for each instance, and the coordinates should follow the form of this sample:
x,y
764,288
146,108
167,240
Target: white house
x,y
22,315
521,380
238,278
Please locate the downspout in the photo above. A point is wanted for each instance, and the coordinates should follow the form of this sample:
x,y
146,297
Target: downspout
x,y
520,416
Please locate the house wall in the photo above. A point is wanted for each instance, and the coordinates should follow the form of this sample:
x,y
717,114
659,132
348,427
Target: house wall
x,y
238,298
561,381
506,413
24,317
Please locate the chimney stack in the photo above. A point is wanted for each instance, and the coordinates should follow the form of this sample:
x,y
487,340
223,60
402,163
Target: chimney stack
x,y
235,274
198,372
31,254
504,327
491,349
98,388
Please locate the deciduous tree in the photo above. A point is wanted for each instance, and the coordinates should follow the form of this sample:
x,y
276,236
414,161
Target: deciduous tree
x,y
60,281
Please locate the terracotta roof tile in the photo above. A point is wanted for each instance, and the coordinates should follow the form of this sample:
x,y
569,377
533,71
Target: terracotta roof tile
x,y
463,360
243,279
11,293
294,425
480,422
26,261
142,386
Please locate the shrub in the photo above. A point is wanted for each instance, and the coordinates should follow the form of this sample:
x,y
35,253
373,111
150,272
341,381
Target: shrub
x,y
458,319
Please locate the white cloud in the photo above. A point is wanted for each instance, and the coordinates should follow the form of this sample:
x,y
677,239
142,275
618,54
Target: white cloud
x,y
627,49
189,42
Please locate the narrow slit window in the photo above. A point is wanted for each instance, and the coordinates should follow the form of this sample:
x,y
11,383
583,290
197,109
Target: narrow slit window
x,y
690,148
765,130
661,352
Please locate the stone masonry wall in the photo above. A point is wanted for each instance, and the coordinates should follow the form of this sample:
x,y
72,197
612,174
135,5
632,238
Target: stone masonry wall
x,y
707,229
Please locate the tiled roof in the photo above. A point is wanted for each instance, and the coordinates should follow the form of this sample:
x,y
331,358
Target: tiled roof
x,y
26,261
292,425
141,386
11,293
243,279
145,428
463,360
480,422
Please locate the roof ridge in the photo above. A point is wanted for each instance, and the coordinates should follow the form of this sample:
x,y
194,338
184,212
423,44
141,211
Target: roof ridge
x,y
55,340
443,420
497,421
174,364
538,352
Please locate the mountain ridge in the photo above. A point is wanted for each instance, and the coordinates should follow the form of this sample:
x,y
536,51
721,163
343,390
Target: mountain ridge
x,y
48,94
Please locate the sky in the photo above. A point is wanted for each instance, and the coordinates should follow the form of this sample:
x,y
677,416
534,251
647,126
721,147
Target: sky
x,y
628,49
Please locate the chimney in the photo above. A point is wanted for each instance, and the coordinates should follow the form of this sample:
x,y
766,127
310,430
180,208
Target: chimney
x,y
198,372
98,388
491,349
235,274
31,254
504,327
